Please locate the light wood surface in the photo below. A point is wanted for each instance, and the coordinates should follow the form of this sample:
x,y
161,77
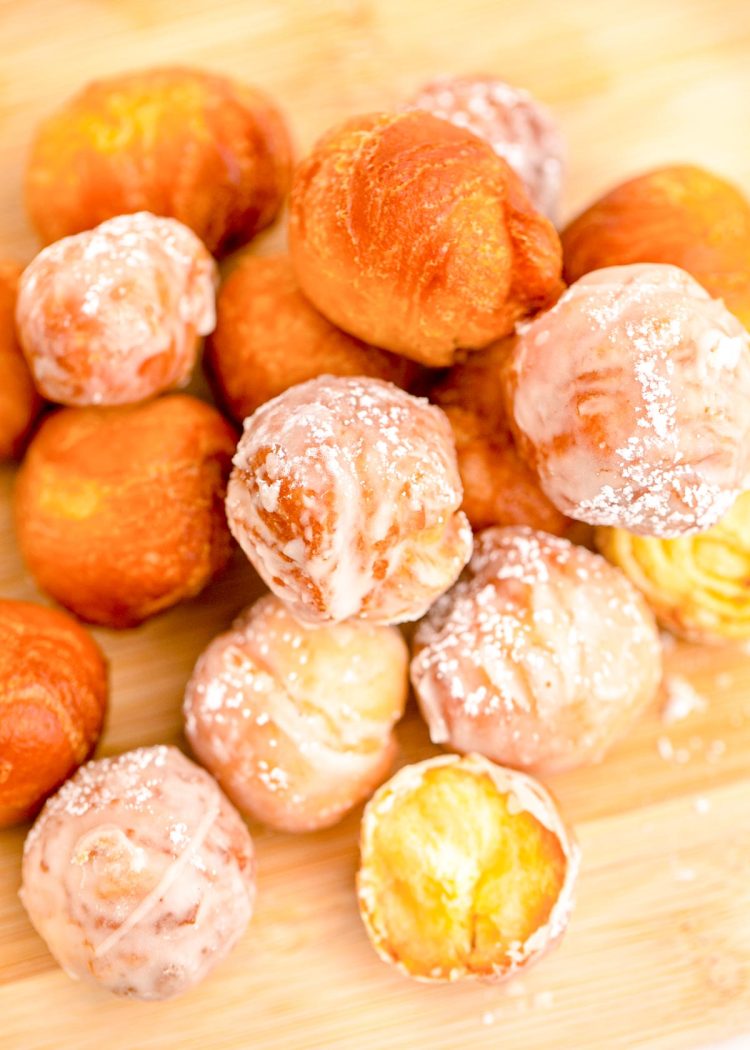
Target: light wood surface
x,y
658,953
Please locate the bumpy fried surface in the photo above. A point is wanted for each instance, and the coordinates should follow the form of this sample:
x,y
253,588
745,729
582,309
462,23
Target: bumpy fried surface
x,y
412,234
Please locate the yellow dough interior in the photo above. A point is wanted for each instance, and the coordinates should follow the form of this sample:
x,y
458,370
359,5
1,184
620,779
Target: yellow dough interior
x,y
460,879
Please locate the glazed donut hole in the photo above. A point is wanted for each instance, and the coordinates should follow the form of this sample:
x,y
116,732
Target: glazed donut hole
x,y
113,315
696,585
20,403
139,874
499,486
414,236
345,497
119,512
467,870
541,657
268,337
296,722
195,146
631,400
53,697
519,128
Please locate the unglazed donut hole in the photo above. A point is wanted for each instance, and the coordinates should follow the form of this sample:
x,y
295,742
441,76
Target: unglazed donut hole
x,y
192,145
696,585
268,337
139,874
345,496
19,401
631,398
119,512
296,722
113,315
681,215
53,695
520,130
412,235
540,657
499,486
467,870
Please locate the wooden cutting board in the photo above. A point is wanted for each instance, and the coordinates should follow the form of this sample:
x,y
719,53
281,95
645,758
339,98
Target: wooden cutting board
x,y
658,953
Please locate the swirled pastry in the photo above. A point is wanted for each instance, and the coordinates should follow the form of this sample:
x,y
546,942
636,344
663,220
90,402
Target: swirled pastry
x,y
696,585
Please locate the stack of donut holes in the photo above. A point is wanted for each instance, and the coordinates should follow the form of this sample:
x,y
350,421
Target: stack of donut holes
x,y
432,407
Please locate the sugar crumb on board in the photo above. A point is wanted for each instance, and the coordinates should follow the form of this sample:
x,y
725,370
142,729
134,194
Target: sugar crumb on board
x,y
681,699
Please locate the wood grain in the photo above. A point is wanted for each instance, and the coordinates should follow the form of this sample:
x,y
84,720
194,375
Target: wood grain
x,y
658,955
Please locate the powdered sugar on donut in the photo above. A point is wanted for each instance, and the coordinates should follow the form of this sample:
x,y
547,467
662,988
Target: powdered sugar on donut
x,y
139,874
112,315
519,129
632,398
540,656
345,496
296,722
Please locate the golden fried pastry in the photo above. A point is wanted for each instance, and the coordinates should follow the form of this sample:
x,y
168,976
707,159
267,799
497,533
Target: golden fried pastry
x,y
269,337
20,403
696,585
541,656
411,234
499,487
520,130
119,511
631,400
345,496
680,215
53,695
113,315
467,870
139,874
296,722
195,146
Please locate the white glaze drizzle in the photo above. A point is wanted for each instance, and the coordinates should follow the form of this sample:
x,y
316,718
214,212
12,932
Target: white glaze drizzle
x,y
267,725
131,846
539,656
372,470
93,309
643,359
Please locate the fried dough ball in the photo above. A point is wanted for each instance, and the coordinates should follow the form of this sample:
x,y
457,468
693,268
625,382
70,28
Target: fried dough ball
x,y
631,399
467,870
541,656
411,234
682,215
520,130
345,496
195,146
268,337
53,696
296,722
20,403
696,585
499,486
113,315
139,874
119,511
